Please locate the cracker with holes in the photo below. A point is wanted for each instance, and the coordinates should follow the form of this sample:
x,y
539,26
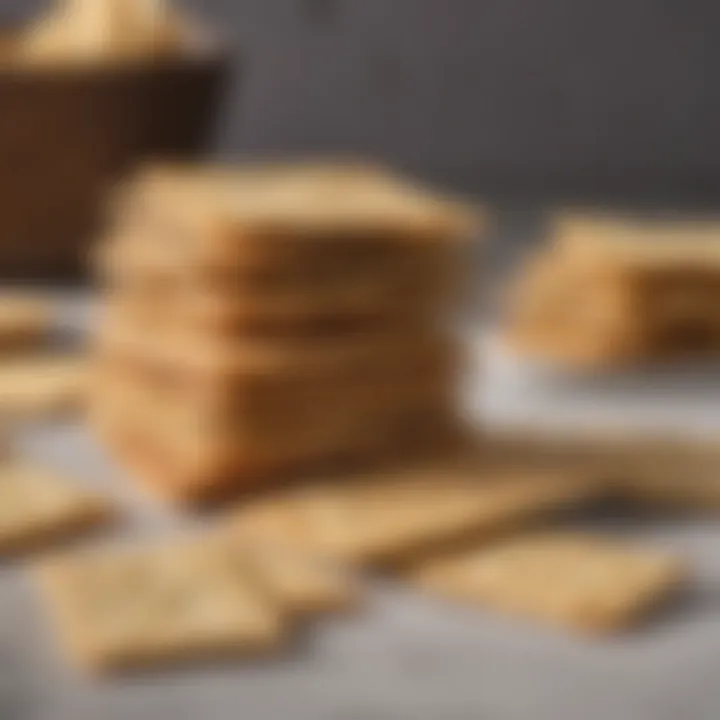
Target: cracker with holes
x,y
584,583
179,601
37,508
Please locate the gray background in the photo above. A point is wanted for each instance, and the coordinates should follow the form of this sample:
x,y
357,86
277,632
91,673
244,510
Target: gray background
x,y
510,97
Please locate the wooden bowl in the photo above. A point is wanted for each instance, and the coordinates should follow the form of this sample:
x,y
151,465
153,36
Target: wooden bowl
x,y
68,134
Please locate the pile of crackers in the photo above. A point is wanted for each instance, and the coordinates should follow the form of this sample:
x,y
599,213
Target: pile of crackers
x,y
612,292
292,322
263,322
469,531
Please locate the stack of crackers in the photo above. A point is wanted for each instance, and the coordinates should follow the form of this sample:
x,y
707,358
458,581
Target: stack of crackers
x,y
617,292
266,320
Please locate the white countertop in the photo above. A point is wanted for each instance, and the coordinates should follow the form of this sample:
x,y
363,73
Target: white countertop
x,y
404,657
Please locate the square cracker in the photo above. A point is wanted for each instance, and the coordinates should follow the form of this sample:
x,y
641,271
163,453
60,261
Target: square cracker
x,y
302,585
385,518
292,209
589,584
38,508
41,386
177,601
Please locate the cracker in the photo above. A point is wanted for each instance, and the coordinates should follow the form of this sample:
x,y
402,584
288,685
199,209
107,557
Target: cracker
x,y
301,585
588,584
37,508
179,601
630,242
41,386
571,313
259,216
613,290
384,518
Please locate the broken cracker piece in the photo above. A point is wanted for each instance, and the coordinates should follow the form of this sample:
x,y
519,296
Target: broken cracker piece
x,y
586,583
37,508
179,601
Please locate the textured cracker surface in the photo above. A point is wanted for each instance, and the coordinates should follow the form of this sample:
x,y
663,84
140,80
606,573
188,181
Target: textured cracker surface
x,y
585,583
39,508
394,514
153,604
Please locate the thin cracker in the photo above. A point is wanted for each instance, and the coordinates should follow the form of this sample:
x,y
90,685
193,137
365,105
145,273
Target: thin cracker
x,y
383,518
42,386
179,601
302,585
588,584
38,508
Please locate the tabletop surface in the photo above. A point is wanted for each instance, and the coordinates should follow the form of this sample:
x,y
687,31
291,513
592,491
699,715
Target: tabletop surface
x,y
403,658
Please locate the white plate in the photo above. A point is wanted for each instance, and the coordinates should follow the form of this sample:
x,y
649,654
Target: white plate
x,y
514,391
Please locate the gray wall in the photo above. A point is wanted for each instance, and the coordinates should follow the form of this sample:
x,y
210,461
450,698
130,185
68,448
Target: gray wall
x,y
536,96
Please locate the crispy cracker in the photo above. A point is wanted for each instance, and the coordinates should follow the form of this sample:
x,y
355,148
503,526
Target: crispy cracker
x,y
586,583
574,314
255,215
612,291
179,601
299,584
383,518
631,242
41,386
37,508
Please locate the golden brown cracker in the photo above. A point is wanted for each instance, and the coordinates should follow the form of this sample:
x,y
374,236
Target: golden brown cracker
x,y
586,583
38,508
384,517
179,601
299,584
42,386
